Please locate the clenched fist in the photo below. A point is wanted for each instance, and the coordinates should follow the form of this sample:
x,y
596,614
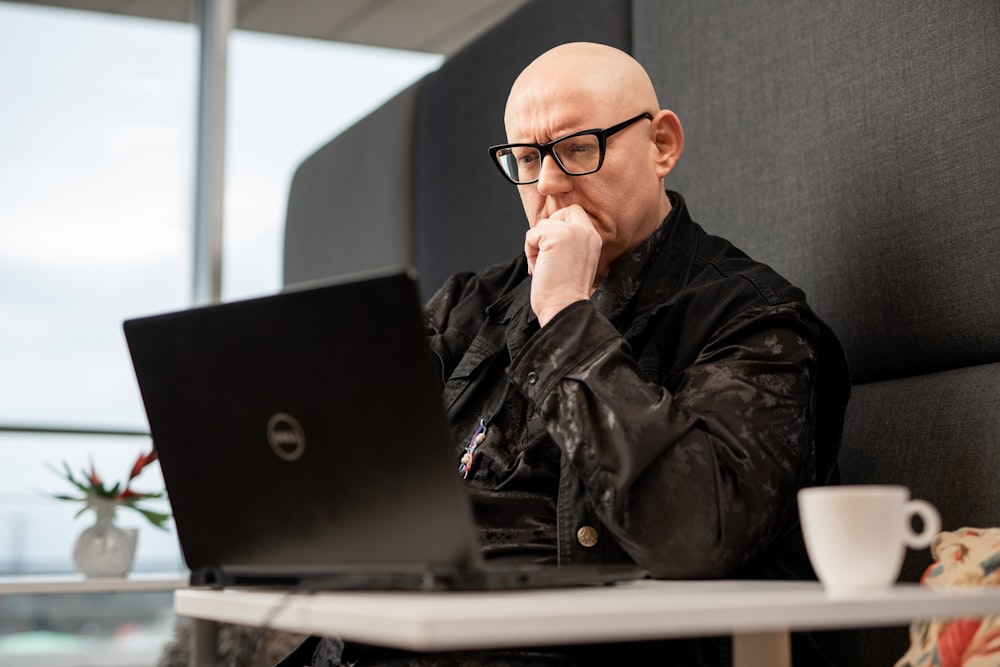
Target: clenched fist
x,y
563,252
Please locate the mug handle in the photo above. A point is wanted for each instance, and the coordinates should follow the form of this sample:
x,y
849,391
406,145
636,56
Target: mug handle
x,y
930,518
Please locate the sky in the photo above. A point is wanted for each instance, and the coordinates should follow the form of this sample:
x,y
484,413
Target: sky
x,y
97,127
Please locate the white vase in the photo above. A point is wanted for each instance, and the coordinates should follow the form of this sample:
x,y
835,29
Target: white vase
x,y
104,549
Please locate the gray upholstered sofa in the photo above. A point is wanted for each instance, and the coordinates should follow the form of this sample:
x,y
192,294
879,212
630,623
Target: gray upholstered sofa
x,y
853,145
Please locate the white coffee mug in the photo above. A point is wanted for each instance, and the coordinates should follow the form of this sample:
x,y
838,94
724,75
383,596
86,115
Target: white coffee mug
x,y
857,536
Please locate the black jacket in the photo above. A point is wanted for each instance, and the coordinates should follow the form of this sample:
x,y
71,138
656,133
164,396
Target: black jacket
x,y
688,406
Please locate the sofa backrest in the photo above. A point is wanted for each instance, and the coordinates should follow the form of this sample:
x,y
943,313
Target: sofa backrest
x,y
350,208
855,147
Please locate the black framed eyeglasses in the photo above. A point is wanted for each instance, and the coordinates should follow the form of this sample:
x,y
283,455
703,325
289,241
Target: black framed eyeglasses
x,y
576,154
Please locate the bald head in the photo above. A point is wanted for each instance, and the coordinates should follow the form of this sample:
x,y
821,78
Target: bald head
x,y
582,75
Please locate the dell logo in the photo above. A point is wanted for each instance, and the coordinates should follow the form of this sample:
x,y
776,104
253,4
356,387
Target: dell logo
x,y
286,437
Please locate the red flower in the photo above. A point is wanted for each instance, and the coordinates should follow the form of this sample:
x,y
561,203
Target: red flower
x,y
126,494
141,462
94,479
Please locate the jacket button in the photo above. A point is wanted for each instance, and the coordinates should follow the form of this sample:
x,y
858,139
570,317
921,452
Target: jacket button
x,y
532,377
587,536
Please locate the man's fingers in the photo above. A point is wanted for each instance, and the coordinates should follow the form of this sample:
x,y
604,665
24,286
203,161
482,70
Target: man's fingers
x,y
531,249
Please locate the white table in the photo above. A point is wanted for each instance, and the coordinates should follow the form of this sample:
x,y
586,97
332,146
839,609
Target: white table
x,y
758,614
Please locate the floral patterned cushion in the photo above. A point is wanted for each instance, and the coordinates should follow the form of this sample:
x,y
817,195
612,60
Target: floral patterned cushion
x,y
965,557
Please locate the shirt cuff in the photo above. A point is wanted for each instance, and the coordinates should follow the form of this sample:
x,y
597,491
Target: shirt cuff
x,y
567,342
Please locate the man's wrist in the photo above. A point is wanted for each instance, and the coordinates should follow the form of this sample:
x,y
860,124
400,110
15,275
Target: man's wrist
x,y
547,313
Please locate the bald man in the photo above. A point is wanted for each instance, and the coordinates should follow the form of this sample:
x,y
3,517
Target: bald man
x,y
630,389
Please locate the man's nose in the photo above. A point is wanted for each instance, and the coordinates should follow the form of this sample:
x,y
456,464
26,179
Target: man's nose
x,y
551,178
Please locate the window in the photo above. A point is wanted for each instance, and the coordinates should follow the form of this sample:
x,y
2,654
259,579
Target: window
x,y
96,158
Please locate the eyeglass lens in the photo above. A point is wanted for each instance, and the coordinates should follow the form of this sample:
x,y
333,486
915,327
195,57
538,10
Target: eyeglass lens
x,y
577,154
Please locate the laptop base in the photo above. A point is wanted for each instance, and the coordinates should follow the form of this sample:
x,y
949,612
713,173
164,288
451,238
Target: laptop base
x,y
483,578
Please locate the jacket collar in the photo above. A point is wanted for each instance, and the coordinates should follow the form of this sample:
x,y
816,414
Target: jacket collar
x,y
669,268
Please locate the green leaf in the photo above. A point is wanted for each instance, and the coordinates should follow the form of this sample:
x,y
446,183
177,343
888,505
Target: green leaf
x,y
155,518
68,475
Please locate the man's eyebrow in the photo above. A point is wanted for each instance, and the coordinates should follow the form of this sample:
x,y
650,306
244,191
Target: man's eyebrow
x,y
549,137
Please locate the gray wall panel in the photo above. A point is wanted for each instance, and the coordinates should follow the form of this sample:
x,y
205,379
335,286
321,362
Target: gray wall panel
x,y
351,203
855,147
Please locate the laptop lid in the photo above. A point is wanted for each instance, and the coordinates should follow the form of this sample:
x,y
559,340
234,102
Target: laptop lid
x,y
301,435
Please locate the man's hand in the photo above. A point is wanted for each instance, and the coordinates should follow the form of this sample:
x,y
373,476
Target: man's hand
x,y
563,253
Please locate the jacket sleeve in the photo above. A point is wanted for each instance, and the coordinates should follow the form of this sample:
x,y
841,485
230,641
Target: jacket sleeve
x,y
692,482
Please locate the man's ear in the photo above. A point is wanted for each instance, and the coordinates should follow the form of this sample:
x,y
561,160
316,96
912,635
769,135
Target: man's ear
x,y
668,136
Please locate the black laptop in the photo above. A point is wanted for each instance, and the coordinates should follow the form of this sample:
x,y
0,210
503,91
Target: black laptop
x,y
303,444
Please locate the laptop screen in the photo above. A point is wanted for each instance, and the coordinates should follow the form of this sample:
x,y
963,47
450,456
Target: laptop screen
x,y
303,432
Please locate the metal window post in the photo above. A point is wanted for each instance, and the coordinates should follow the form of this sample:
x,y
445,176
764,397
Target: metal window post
x,y
216,18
